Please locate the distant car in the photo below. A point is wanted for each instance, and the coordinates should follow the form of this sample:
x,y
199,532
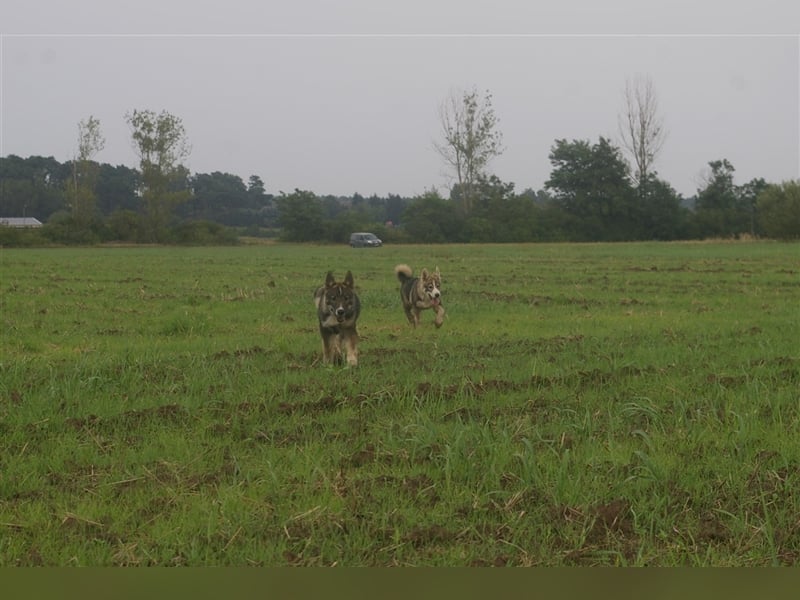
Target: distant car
x,y
364,240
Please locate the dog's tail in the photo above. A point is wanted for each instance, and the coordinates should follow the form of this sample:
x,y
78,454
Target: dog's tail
x,y
403,273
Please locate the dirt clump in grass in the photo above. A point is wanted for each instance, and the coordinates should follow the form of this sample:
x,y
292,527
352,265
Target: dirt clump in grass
x,y
711,530
421,487
431,534
361,457
498,561
614,516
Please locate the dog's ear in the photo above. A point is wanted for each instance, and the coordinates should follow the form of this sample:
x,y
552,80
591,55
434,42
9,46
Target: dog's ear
x,y
348,279
329,280
423,274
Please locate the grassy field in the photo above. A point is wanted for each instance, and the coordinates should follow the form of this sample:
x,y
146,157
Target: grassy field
x,y
630,404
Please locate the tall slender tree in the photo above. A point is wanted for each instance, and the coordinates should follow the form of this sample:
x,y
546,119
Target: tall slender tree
x,y
160,141
81,194
470,140
641,128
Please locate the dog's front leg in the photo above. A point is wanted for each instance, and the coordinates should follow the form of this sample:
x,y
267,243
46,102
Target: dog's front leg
x,y
351,348
326,349
439,310
331,353
336,349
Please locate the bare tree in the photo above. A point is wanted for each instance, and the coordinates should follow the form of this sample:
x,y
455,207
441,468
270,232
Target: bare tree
x,y
470,139
641,127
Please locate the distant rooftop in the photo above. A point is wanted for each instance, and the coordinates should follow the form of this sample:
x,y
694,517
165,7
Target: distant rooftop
x,y
20,222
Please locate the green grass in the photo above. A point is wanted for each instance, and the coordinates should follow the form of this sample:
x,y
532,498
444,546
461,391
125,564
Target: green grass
x,y
619,404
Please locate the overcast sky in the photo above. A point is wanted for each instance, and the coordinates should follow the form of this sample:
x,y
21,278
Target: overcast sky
x,y
342,97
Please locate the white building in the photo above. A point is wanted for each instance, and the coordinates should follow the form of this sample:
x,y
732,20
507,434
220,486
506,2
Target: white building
x,y
20,222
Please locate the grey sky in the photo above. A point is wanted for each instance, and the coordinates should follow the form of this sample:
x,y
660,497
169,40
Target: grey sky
x,y
342,97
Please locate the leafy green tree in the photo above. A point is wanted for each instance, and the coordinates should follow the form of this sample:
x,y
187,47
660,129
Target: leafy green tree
x,y
470,140
500,215
339,228
117,188
334,206
748,194
255,187
126,225
720,210
31,187
430,219
663,217
590,183
263,211
779,210
395,205
161,144
219,197
300,217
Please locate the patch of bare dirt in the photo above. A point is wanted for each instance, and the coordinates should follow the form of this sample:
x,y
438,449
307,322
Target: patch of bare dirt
x,y
361,457
498,561
432,534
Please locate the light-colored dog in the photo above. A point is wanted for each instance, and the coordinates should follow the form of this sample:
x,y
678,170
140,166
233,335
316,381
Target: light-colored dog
x,y
419,293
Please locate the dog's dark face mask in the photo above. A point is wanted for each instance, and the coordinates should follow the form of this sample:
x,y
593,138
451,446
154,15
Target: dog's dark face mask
x,y
340,299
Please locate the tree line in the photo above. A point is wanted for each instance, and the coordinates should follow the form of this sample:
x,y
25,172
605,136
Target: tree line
x,y
597,191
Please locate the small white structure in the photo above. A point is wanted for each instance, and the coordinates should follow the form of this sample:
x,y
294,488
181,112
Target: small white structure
x,y
20,222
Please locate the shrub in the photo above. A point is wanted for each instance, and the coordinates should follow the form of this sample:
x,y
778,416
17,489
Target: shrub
x,y
204,233
779,211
